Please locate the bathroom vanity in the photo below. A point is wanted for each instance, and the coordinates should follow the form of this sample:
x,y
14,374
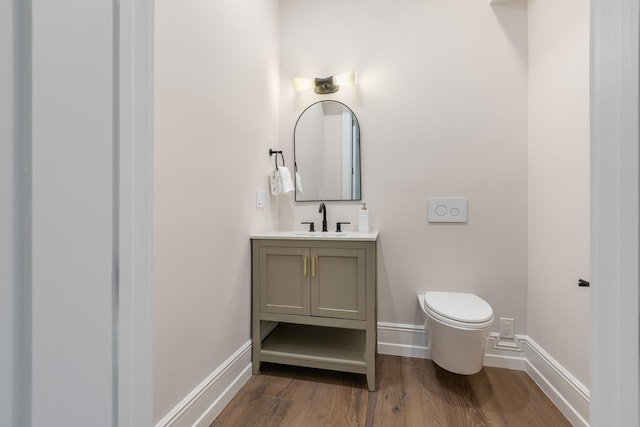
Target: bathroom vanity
x,y
314,300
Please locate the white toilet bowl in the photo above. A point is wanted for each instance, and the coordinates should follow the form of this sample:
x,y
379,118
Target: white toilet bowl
x,y
458,329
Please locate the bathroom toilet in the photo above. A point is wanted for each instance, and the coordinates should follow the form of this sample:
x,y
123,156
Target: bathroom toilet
x,y
457,329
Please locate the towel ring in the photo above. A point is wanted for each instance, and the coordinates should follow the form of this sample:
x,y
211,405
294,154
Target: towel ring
x,y
276,152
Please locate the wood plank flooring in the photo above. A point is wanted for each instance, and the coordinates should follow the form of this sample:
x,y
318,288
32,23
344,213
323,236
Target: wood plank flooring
x,y
410,392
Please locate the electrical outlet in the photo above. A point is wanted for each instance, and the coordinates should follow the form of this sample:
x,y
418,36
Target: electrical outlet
x,y
506,327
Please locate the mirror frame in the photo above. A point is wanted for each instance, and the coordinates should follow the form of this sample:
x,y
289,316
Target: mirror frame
x,y
359,169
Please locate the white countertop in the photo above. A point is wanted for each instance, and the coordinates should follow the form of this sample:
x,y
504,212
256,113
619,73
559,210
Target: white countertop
x,y
317,235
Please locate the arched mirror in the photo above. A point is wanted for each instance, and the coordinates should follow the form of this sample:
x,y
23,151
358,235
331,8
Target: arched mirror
x,y
327,153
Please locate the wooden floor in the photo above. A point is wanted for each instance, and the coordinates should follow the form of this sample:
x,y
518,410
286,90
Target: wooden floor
x,y
410,392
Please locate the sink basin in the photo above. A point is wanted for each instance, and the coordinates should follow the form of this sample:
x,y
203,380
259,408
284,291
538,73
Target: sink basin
x,y
321,234
317,235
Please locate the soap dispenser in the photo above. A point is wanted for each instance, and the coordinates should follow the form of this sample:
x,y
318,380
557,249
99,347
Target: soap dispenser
x,y
363,219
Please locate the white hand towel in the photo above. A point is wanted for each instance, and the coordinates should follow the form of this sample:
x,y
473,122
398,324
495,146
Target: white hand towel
x,y
274,182
298,184
285,179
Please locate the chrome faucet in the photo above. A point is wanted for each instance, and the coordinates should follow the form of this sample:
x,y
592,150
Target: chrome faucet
x,y
323,211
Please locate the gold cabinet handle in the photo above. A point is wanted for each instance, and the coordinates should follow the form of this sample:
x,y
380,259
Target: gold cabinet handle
x,y
313,267
305,266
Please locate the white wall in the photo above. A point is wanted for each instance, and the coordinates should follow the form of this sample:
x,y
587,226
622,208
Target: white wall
x,y
216,117
442,105
558,234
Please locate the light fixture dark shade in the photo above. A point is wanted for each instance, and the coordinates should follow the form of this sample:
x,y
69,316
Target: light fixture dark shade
x,y
325,85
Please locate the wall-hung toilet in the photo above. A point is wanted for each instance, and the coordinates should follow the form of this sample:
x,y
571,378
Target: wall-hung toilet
x,y
458,329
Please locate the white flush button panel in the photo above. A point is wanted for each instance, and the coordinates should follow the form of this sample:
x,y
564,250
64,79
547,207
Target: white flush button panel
x,y
260,199
447,209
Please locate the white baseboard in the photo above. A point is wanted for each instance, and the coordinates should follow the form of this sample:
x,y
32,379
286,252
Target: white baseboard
x,y
564,390
507,354
403,340
522,354
200,407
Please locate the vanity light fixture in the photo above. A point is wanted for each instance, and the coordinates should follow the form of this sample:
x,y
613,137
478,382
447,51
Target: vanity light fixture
x,y
325,85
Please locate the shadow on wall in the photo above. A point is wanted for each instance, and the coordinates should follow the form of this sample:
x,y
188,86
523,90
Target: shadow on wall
x,y
504,12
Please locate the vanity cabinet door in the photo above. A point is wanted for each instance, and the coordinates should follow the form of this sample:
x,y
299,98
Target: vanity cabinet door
x,y
284,280
338,283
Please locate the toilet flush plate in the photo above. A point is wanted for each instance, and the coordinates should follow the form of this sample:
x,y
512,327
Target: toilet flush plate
x,y
447,209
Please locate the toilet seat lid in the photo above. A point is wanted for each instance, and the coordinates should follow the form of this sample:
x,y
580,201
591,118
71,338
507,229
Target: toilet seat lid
x,y
459,306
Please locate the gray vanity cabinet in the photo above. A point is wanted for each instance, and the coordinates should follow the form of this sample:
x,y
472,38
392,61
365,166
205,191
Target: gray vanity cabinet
x,y
328,282
314,304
